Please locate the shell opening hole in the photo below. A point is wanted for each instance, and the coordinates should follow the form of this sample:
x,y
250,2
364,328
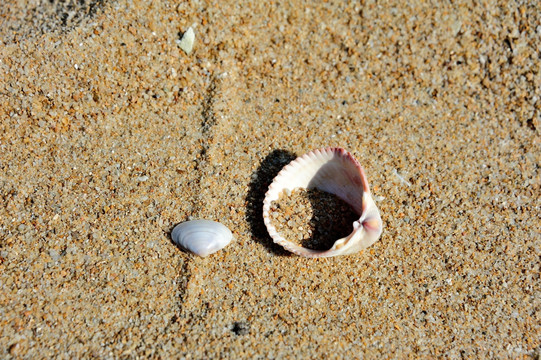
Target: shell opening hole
x,y
312,218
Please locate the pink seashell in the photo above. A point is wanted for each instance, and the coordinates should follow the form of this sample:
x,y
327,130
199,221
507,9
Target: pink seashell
x,y
335,171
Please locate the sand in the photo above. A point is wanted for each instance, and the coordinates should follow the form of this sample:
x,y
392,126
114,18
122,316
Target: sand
x,y
110,135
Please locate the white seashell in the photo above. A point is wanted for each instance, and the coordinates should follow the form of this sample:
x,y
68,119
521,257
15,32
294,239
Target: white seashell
x,y
186,42
335,171
201,237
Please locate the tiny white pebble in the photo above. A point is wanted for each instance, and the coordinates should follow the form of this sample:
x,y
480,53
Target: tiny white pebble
x,y
186,43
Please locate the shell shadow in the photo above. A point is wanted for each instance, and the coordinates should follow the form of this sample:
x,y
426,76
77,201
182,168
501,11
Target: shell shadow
x,y
260,181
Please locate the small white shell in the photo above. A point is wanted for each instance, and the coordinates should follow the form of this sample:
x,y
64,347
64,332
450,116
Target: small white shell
x,y
335,171
186,42
201,237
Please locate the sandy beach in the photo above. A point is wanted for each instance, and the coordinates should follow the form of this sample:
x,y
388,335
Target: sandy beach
x,y
111,134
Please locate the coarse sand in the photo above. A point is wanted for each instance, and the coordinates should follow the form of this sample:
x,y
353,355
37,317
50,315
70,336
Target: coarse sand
x,y
110,135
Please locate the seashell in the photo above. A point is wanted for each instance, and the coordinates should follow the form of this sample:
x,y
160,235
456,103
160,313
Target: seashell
x,y
186,42
201,237
335,171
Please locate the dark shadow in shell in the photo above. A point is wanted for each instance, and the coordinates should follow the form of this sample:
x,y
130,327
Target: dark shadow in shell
x,y
332,219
